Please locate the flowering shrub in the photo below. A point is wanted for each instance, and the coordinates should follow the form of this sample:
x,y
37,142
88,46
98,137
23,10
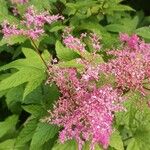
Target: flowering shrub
x,y
74,75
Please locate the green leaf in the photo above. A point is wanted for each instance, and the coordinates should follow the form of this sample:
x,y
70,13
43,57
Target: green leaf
x,y
14,95
11,145
46,56
14,99
80,5
7,145
120,7
92,26
20,77
117,28
31,71
13,40
133,145
140,138
116,141
50,95
64,53
72,145
35,97
71,63
137,121
4,10
57,28
41,6
35,110
8,124
32,60
86,146
25,135
127,118
31,85
43,133
96,59
69,145
143,32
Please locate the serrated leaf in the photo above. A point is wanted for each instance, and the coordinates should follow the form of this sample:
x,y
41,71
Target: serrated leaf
x,y
69,145
32,85
50,95
14,98
13,40
140,139
80,5
64,53
33,57
14,95
133,145
46,56
35,110
86,146
4,10
96,59
20,77
10,145
27,132
116,141
71,63
120,7
57,28
31,71
143,32
43,133
32,60
72,145
7,145
117,28
92,26
41,6
8,124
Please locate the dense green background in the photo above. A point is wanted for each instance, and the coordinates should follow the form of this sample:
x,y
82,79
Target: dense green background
x,y
24,97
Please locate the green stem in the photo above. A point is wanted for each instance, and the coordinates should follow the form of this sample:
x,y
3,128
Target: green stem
x,y
38,52
127,138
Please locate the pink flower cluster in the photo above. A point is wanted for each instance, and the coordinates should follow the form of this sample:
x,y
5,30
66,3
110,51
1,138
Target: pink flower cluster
x,y
32,18
72,42
84,110
19,1
132,63
95,41
12,30
77,43
34,23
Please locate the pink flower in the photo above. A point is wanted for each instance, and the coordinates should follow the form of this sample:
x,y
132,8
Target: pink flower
x,y
34,23
77,43
84,110
32,18
131,65
74,43
123,37
10,29
95,41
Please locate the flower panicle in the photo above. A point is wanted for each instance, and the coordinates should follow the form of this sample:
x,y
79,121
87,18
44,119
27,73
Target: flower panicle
x,y
85,111
78,43
132,63
34,22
